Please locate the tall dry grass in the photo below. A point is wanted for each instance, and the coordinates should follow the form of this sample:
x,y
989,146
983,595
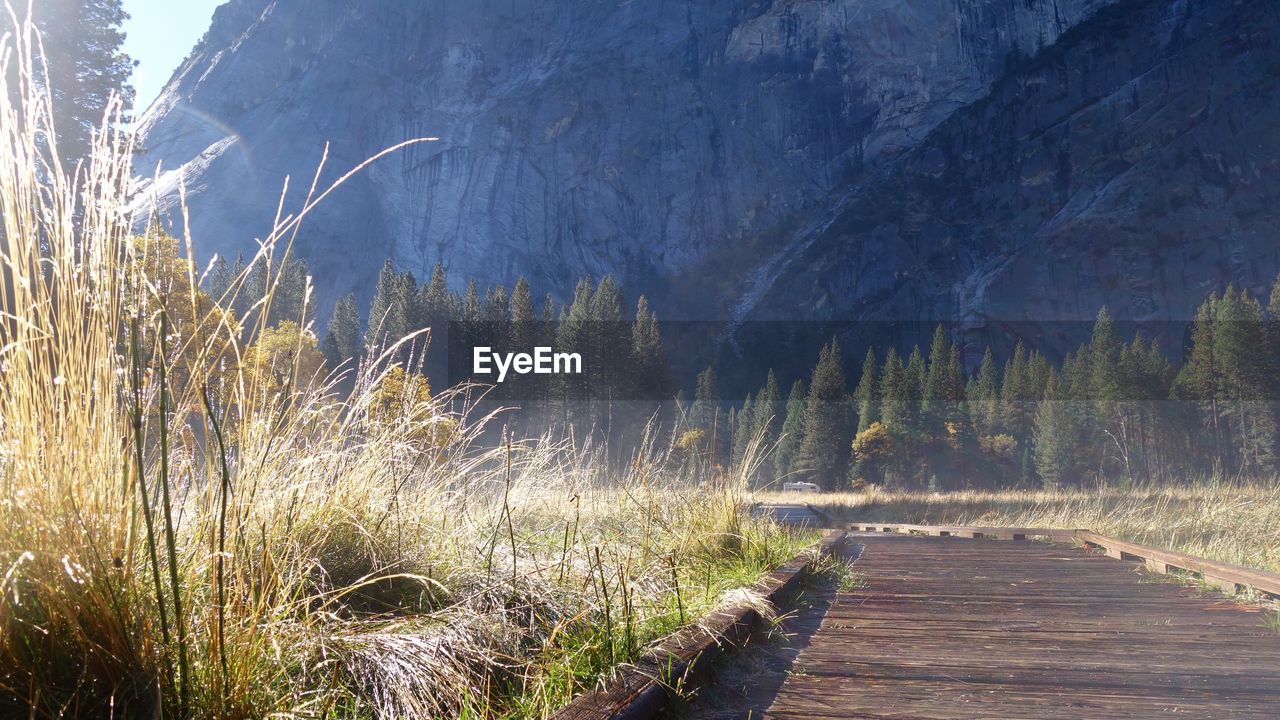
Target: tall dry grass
x,y
184,535
1228,521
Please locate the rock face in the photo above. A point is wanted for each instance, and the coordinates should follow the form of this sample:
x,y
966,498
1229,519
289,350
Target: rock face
x,y
650,139
1134,164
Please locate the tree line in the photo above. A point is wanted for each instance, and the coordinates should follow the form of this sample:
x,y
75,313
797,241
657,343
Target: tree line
x,y
1115,408
625,369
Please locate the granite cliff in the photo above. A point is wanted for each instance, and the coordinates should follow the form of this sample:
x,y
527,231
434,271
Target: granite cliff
x,y
638,138
984,161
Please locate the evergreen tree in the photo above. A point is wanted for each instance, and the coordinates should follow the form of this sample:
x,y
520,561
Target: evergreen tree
x,y
573,334
956,382
1054,451
436,302
824,452
1198,380
386,321
343,341
792,435
239,272
291,299
937,391
768,414
867,394
648,358
472,309
1243,382
84,66
415,313
743,431
610,345
894,395
434,306
1014,394
706,400
497,309
255,288
984,398
707,414
524,321
915,374
220,279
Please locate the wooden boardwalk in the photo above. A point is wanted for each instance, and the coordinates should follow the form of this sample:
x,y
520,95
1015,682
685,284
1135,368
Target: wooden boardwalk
x,y
948,628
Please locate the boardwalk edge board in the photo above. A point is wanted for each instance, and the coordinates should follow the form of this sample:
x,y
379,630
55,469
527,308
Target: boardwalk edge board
x,y
1228,578
641,691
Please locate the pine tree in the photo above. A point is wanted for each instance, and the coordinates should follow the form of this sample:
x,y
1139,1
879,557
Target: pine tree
x,y
220,279
254,290
894,396
1054,429
824,452
434,309
706,400
1197,382
291,300
648,358
915,374
792,435
609,341
867,394
1243,381
743,431
524,323
383,328
573,334
955,397
239,272
435,301
84,66
768,414
472,308
497,309
933,405
343,341
984,400
1014,394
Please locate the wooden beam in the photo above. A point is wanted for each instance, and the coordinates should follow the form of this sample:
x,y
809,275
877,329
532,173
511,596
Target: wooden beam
x,y
999,533
641,691
1229,578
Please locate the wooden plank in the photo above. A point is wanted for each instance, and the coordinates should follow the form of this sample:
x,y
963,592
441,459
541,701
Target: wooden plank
x,y
968,531
1230,578
954,629
641,691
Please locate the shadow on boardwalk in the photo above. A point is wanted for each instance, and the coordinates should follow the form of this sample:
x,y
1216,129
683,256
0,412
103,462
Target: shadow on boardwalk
x,y
960,629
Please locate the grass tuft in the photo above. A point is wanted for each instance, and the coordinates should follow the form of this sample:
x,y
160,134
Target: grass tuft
x,y
192,527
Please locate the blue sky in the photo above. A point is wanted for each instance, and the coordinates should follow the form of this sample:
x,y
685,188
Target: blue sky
x,y
159,35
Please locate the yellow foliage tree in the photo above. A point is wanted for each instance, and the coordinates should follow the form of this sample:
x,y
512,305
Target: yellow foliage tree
x,y
402,397
873,449
163,293
285,358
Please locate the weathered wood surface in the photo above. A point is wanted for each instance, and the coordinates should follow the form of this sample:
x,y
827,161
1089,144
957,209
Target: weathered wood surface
x,y
951,628
1229,578
795,515
967,531
641,691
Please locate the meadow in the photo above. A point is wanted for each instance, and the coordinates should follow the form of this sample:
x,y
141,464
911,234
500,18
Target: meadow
x,y
1230,521
198,520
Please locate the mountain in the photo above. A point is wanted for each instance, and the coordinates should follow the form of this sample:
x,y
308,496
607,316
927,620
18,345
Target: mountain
x,y
1135,164
653,140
